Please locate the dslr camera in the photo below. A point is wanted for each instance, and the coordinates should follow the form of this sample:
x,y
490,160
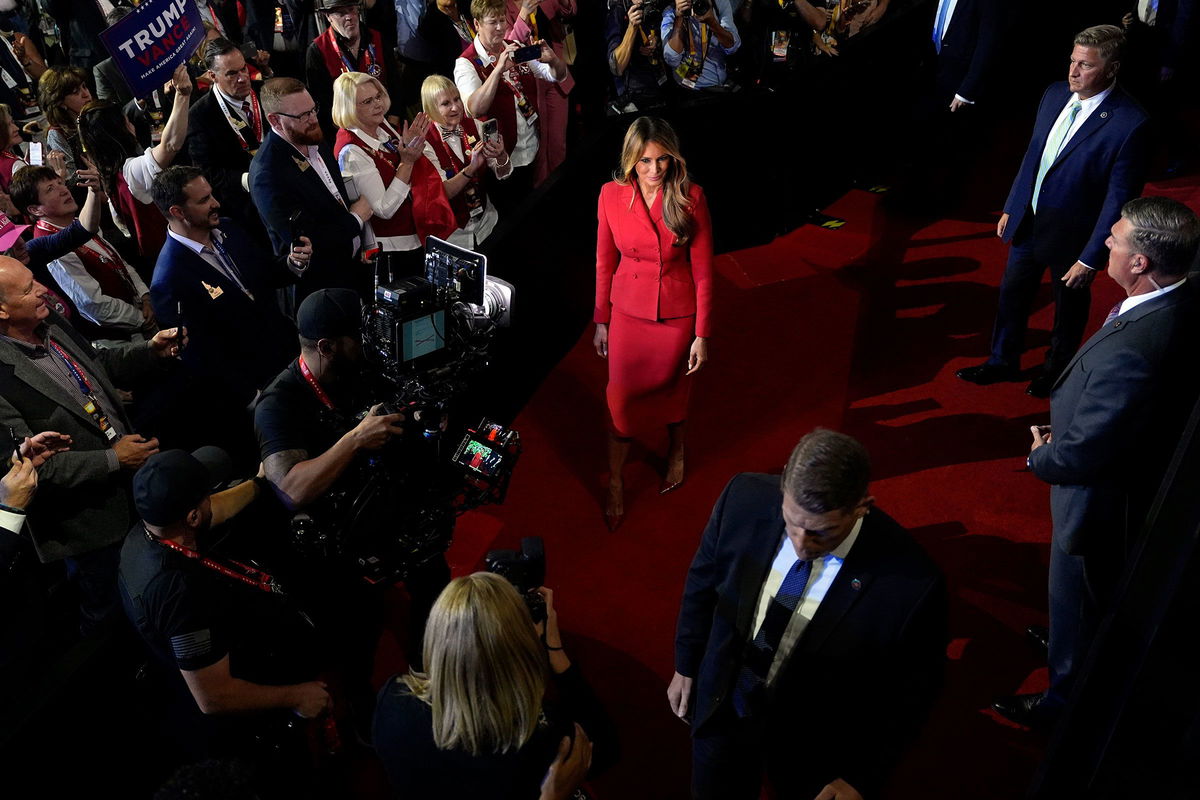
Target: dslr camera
x,y
525,569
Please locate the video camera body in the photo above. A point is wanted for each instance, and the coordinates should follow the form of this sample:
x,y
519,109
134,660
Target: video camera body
x,y
424,338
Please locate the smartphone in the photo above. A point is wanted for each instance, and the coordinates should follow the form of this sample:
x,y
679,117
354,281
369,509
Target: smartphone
x,y
489,129
531,53
35,154
179,327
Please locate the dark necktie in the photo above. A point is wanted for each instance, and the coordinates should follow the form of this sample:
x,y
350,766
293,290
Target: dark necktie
x,y
756,664
1116,312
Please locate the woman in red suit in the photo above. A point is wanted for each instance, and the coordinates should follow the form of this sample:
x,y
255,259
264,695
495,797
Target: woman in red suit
x,y
653,297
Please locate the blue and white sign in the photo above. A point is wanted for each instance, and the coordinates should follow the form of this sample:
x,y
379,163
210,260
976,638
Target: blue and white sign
x,y
154,39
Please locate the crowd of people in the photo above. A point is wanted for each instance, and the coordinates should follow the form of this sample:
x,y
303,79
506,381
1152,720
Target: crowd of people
x,y
181,298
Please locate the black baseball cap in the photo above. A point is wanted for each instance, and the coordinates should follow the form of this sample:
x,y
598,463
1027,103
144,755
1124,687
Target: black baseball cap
x,y
173,482
329,313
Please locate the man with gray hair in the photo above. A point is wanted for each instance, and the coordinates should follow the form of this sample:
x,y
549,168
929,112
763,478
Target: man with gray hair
x,y
1116,414
810,621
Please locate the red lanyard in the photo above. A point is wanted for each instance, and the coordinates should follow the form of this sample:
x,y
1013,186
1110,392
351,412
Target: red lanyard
x,y
316,387
255,121
248,575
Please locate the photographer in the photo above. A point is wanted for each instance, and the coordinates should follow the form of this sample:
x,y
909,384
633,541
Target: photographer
x,y
475,723
696,41
635,56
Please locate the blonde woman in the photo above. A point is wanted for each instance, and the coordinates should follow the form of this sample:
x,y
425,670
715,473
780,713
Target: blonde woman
x,y
456,150
653,297
387,166
474,724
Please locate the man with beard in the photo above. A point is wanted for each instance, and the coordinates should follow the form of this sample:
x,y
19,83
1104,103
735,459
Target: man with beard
x,y
213,275
297,187
226,626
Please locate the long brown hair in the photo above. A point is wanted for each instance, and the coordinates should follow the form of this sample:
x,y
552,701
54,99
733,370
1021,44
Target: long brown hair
x,y
676,204
104,132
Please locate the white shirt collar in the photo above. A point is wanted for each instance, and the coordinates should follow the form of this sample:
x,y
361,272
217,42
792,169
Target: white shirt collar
x,y
232,102
487,57
1095,100
1138,299
192,244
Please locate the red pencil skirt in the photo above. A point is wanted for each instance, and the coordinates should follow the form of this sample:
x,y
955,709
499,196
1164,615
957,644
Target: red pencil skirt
x,y
647,388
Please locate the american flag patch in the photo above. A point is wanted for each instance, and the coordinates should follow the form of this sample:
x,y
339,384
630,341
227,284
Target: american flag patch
x,y
190,645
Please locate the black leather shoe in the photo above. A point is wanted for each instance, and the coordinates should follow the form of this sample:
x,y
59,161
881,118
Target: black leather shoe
x,y
1039,635
985,374
1040,386
1024,709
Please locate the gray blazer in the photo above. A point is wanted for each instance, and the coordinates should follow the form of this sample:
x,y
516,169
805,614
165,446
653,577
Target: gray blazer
x,y
1116,414
81,503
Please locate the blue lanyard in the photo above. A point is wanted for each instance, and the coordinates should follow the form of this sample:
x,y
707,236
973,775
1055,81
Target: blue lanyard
x,y
75,370
230,266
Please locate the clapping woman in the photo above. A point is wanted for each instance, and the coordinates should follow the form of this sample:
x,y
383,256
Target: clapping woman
x,y
653,297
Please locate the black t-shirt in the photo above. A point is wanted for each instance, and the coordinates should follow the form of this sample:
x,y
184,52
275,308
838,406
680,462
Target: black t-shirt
x,y
193,616
290,417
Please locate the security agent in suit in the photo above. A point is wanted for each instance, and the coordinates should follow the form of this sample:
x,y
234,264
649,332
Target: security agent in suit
x,y
211,274
225,128
1085,160
1115,417
796,583
294,171
52,379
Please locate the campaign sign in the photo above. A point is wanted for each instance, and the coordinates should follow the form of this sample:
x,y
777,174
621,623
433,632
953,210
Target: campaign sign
x,y
152,40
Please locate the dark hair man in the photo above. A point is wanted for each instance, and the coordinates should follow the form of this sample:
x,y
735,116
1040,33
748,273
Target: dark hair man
x,y
51,377
226,127
1085,160
213,275
294,176
799,581
1115,417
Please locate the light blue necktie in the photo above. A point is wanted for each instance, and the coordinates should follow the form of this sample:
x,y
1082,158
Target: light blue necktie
x,y
1053,146
939,27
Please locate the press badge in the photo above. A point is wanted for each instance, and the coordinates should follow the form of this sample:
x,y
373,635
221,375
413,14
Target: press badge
x,y
779,45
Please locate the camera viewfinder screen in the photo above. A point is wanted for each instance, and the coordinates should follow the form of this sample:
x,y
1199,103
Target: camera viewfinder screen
x,y
480,458
423,335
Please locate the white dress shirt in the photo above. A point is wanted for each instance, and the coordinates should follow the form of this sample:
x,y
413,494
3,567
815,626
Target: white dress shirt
x,y
824,570
477,228
523,151
11,521
210,256
312,154
84,291
140,172
1138,299
1147,11
358,166
1087,107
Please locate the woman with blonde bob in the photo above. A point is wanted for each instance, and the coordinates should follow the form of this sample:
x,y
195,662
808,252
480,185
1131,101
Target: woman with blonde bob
x,y
386,166
653,297
456,150
473,724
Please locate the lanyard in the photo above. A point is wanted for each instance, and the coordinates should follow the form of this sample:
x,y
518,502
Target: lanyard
x,y
76,371
91,405
255,121
251,576
366,54
316,387
108,256
224,257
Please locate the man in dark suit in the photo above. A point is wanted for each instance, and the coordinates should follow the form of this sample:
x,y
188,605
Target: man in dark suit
x,y
294,172
1115,414
965,43
52,379
798,584
1085,160
212,277
225,129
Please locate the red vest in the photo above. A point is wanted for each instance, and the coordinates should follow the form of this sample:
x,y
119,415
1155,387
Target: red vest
x,y
104,273
504,104
370,55
146,223
424,212
452,165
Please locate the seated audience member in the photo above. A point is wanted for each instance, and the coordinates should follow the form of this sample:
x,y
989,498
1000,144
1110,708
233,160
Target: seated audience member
x,y
111,86
11,158
62,94
387,169
239,644
104,290
457,151
347,45
695,46
127,175
832,586
476,722
297,188
494,86
38,252
22,66
53,378
225,129
528,22
214,278
635,57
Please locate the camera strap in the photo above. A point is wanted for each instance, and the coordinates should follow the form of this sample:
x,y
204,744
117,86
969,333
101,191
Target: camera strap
x,y
316,387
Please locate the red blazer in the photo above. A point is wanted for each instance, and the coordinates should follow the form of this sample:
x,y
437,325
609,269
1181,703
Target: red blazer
x,y
640,272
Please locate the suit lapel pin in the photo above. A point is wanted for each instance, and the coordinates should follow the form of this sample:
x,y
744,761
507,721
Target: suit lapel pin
x,y
301,163
856,584
1103,115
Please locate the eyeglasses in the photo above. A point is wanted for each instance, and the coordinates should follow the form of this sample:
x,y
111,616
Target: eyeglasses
x,y
370,101
310,113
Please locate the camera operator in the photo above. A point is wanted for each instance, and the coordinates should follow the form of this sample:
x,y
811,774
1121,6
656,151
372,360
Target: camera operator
x,y
310,442
696,41
635,56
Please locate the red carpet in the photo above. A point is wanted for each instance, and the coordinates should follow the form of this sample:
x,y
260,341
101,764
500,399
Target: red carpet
x,y
860,330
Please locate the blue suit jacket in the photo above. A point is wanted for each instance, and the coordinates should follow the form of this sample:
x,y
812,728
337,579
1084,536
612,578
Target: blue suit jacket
x,y
1097,171
879,635
970,45
235,345
1117,412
